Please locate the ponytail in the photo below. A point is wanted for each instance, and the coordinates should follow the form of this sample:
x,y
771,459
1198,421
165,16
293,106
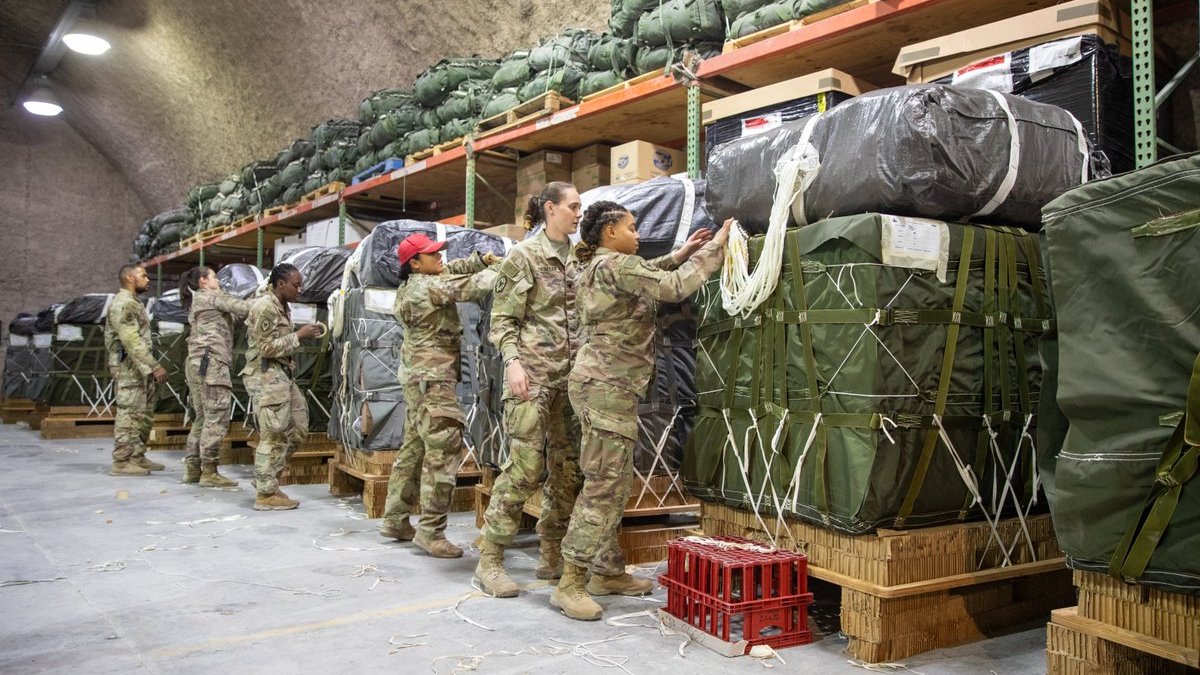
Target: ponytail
x,y
189,283
535,208
594,219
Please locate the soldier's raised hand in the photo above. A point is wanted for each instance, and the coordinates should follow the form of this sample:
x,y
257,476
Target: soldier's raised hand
x,y
693,244
722,235
490,259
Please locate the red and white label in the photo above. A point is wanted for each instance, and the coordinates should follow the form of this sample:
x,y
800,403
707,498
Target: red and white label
x,y
993,73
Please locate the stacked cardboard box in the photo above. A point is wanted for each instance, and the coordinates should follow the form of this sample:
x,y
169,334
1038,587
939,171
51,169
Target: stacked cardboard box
x,y
590,167
534,171
639,161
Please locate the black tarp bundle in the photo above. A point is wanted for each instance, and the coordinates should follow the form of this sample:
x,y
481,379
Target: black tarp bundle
x,y
929,151
241,280
1082,75
45,318
85,309
321,270
380,266
732,128
167,307
24,324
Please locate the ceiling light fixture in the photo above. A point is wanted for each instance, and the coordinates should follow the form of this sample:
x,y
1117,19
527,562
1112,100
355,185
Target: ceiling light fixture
x,y
86,37
41,101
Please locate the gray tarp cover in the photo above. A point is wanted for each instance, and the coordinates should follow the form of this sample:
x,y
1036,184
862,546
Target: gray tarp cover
x,y
91,308
1126,265
668,209
929,151
321,270
240,279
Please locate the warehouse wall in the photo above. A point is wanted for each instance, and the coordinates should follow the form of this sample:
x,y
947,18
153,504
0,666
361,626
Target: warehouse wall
x,y
67,215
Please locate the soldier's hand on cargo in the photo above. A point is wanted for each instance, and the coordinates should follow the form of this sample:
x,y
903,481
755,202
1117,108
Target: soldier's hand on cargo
x,y
518,382
490,259
309,330
722,235
159,375
693,244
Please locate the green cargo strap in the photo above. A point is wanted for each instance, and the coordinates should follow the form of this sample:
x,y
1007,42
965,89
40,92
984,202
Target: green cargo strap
x,y
983,444
735,348
939,408
858,420
1168,224
1004,297
1177,466
1023,395
820,492
726,325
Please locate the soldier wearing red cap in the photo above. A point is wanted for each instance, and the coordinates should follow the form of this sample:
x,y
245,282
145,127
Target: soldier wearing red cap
x,y
430,363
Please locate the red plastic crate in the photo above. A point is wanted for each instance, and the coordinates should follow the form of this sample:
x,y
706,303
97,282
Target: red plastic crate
x,y
735,594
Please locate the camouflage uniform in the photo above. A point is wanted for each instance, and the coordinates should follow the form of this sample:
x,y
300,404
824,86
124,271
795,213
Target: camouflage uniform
x,y
131,362
210,356
533,319
430,366
618,300
278,403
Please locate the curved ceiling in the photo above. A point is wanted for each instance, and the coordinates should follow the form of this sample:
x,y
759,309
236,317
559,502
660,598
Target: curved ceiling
x,y
192,91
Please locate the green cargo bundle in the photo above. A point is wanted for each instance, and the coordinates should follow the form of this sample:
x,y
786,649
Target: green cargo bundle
x,y
651,58
625,15
570,47
435,84
513,72
1125,256
865,392
170,348
677,21
599,81
465,102
564,79
79,372
503,101
612,53
766,15
380,102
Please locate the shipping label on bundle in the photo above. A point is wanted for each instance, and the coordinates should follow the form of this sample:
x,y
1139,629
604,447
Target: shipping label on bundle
x,y
916,243
380,300
1043,59
302,314
69,333
761,123
994,73
170,327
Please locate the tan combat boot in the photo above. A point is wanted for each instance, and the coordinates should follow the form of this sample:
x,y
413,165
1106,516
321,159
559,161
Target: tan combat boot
x,y
570,596
402,532
437,546
550,564
490,574
140,460
210,477
191,469
274,502
127,468
621,584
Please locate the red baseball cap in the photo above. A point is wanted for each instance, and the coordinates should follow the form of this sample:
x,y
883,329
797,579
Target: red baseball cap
x,y
415,244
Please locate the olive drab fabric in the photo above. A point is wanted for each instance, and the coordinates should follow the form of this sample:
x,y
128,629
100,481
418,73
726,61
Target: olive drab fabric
x,y
430,369
1125,255
128,342
278,403
210,359
618,303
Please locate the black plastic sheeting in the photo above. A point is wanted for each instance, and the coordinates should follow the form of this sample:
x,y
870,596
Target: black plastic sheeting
x,y
241,280
24,324
167,307
92,308
380,265
45,319
1096,87
659,205
928,151
321,269
732,128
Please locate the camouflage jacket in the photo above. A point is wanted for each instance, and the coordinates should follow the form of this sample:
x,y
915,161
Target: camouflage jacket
x,y
432,331
533,312
127,335
211,318
618,303
269,335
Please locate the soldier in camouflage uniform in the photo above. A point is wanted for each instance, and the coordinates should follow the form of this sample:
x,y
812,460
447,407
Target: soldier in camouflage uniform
x,y
278,403
211,316
135,374
534,326
430,365
618,300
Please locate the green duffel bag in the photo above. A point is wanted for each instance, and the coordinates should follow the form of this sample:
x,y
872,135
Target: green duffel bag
x,y
513,72
394,149
594,82
625,15
339,154
612,53
293,173
658,58
568,47
435,84
380,102
867,392
365,162
233,202
502,102
364,142
564,80
394,124
735,9
256,172
342,174
230,184
301,148
312,182
761,18
203,193
325,133
458,128
677,21
421,139
1126,263
466,102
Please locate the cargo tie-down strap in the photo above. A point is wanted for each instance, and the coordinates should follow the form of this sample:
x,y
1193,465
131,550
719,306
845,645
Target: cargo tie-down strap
x,y
1005,363
1177,467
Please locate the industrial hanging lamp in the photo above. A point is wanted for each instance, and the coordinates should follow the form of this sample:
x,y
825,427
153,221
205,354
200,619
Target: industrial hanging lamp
x,y
41,100
86,35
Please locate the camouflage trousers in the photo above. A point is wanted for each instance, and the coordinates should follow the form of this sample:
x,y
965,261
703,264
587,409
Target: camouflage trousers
x,y
282,416
608,415
136,396
211,398
426,468
541,440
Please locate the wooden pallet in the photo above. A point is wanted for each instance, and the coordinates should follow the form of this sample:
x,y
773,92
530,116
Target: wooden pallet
x,y
201,237
912,591
351,473
14,410
60,426
435,150
1119,627
327,189
540,106
794,24
244,221
620,86
275,210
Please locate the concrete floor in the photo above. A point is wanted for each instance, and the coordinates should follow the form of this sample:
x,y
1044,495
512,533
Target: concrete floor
x,y
148,575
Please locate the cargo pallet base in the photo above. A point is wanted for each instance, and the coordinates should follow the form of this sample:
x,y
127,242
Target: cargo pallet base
x,y
76,422
645,531
1123,628
912,591
363,473
14,410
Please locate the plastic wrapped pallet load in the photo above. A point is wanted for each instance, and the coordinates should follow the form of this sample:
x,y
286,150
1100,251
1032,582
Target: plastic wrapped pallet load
x,y
79,372
927,151
1125,258
865,391
26,359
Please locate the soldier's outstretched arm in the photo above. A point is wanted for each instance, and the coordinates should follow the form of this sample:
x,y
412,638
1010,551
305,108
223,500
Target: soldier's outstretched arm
x,y
462,288
231,305
130,335
468,265
637,277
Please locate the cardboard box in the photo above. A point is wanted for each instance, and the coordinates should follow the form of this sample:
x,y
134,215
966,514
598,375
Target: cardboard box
x,y
551,165
590,166
932,59
826,80
639,161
